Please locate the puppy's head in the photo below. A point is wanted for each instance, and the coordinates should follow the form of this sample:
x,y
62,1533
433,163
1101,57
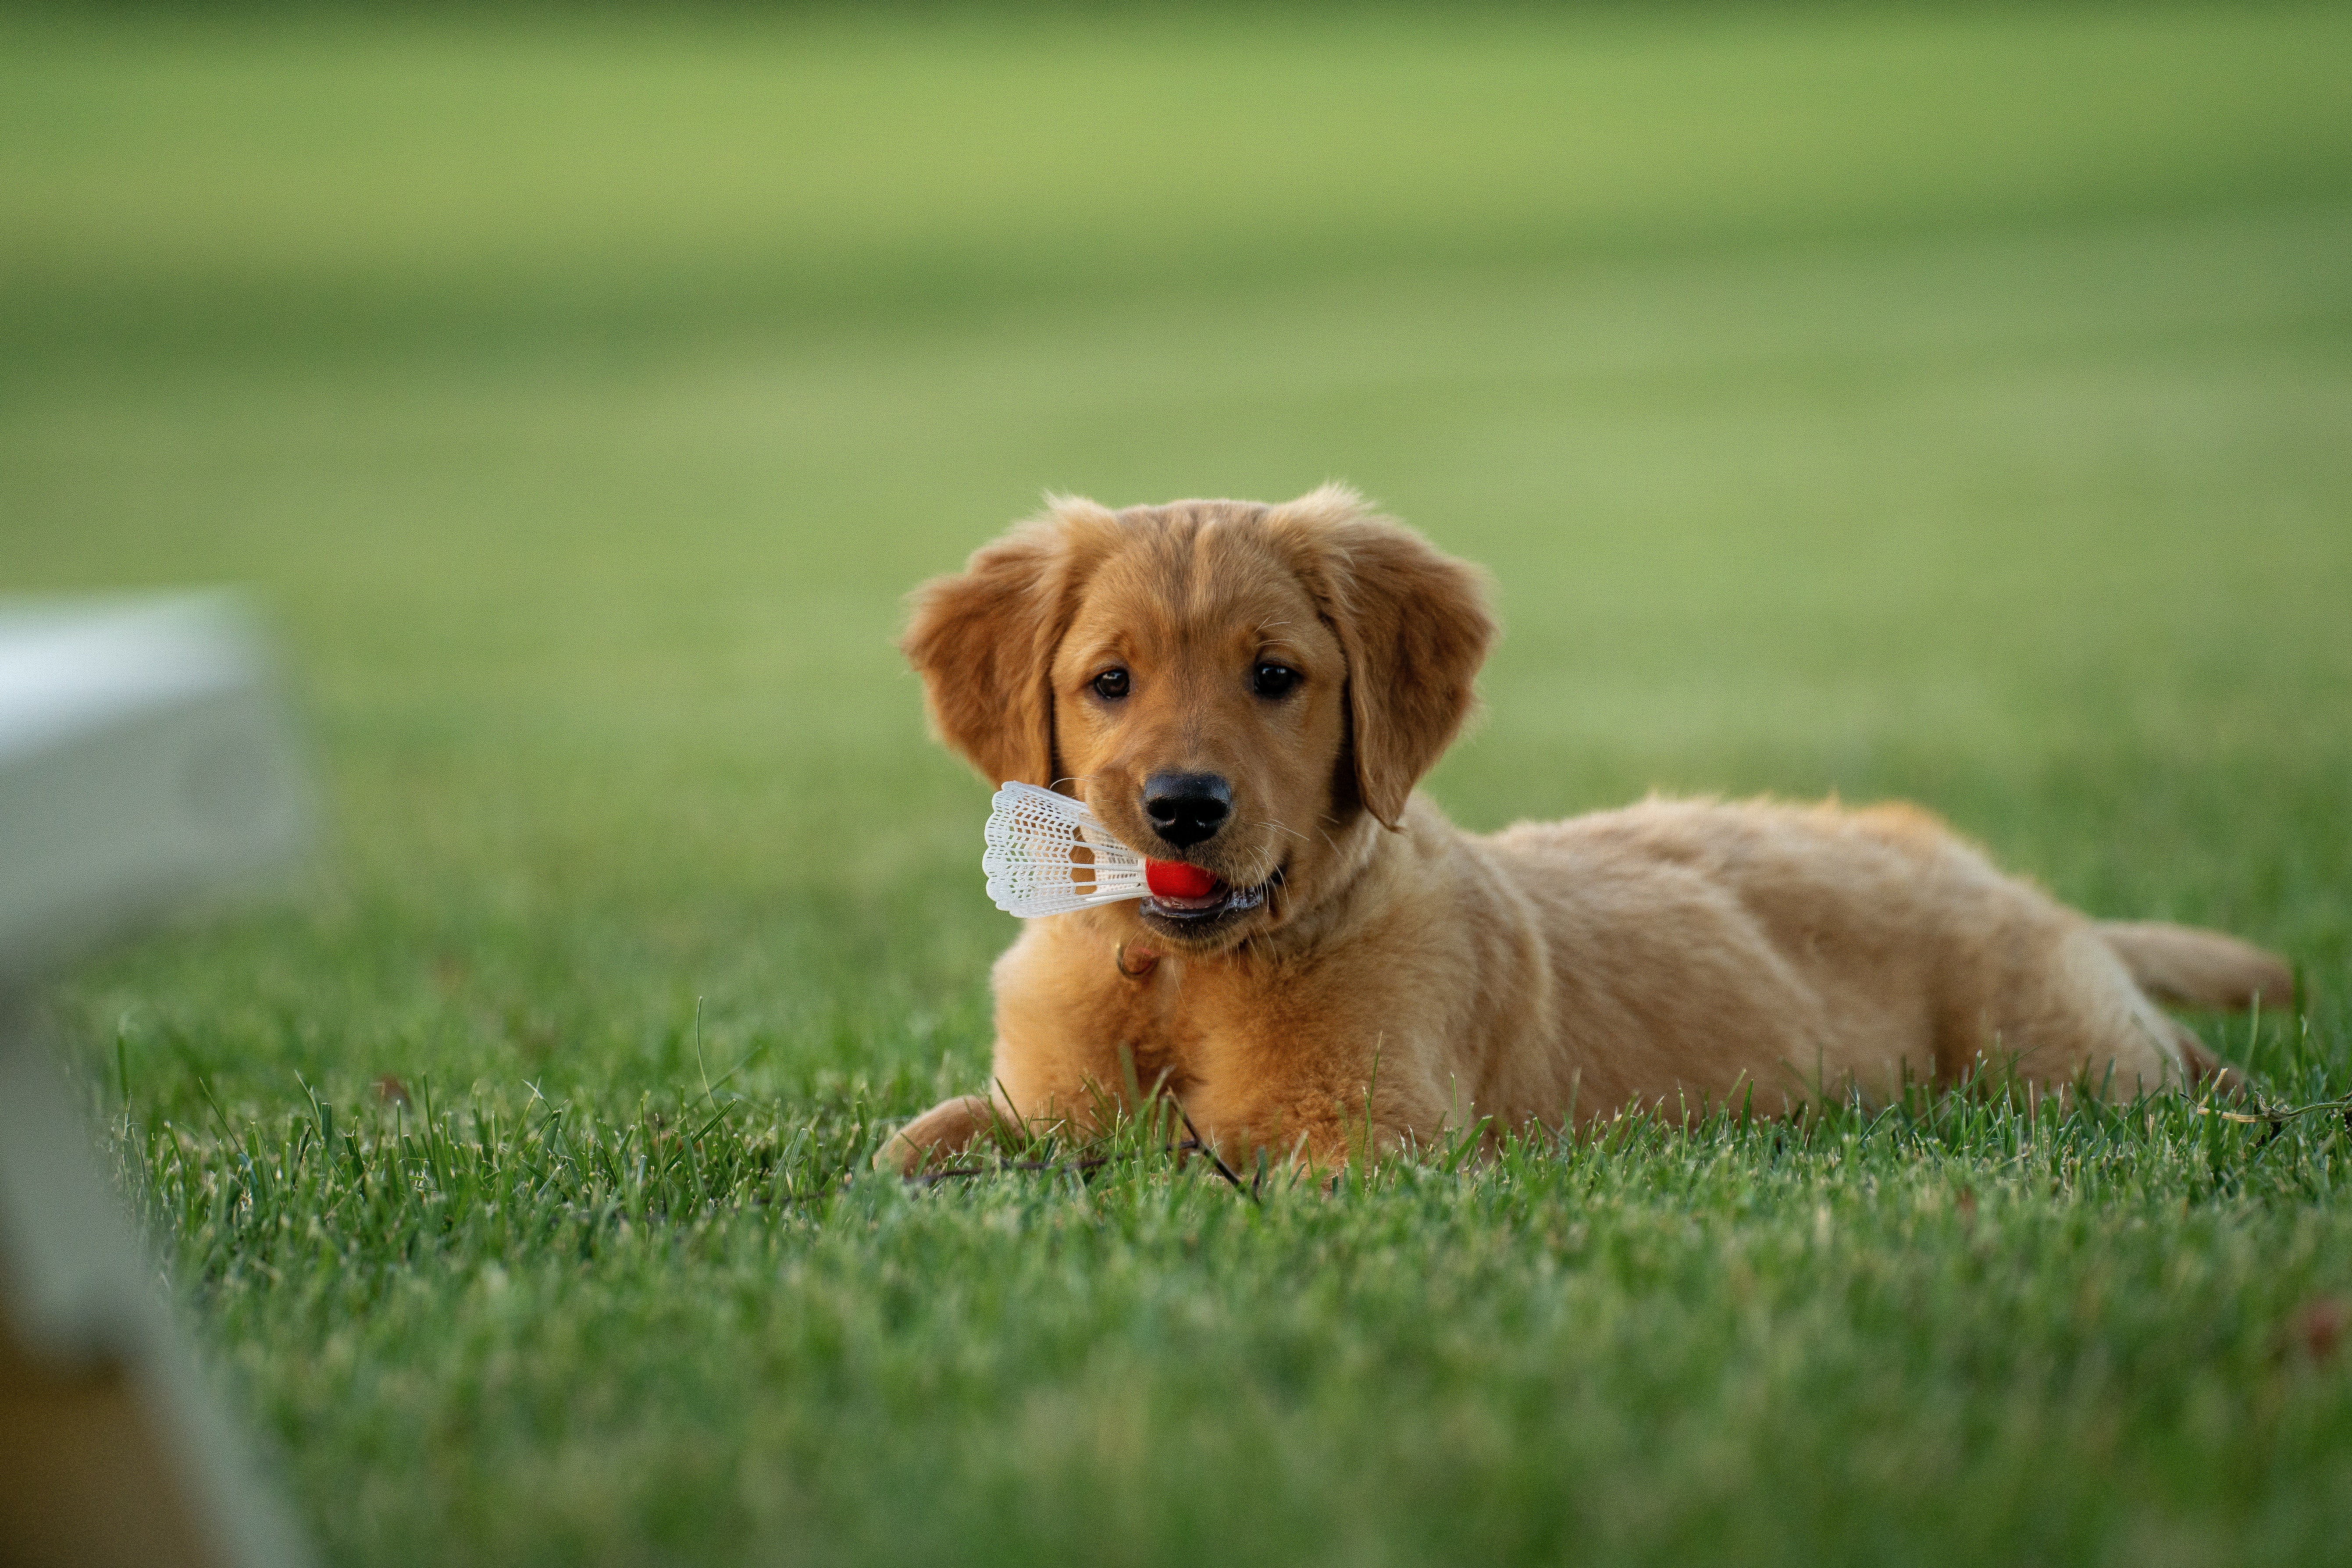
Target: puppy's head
x,y
1243,687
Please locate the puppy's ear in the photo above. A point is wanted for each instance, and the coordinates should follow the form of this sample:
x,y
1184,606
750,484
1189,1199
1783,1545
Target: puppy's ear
x,y
1414,626
983,640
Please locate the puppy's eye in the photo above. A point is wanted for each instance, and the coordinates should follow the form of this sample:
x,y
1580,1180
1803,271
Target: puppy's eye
x,y
1269,679
1111,683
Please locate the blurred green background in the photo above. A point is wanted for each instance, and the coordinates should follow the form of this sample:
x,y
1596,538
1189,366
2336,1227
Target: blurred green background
x,y
1953,401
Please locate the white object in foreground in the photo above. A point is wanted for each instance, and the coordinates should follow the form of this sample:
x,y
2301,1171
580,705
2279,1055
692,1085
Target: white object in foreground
x,y
1047,855
142,760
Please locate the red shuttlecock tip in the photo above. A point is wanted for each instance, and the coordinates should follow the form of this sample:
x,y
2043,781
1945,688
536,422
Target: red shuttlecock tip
x,y
1178,879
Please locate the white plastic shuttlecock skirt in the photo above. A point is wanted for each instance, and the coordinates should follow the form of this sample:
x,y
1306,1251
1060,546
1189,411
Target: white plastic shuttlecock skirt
x,y
1047,856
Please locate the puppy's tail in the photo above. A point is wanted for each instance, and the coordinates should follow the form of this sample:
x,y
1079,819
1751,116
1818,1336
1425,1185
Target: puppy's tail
x,y
2200,968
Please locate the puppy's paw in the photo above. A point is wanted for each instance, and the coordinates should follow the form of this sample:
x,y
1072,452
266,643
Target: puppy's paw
x,y
946,1129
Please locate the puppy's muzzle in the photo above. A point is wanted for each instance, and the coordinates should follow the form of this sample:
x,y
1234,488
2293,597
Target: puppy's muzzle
x,y
1186,809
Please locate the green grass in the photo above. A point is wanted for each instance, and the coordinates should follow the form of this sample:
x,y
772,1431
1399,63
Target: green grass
x,y
1951,405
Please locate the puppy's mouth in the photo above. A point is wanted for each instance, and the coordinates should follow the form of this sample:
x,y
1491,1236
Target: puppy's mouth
x,y
1178,913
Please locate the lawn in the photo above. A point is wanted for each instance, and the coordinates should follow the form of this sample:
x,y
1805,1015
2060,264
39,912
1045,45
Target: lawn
x,y
1953,403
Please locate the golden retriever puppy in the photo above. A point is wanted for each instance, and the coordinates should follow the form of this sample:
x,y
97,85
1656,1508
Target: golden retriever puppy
x,y
1256,689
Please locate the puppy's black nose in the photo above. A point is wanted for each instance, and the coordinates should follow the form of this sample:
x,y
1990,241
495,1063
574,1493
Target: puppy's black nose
x,y
1186,808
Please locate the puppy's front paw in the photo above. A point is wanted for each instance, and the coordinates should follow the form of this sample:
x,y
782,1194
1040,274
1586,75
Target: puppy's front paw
x,y
946,1129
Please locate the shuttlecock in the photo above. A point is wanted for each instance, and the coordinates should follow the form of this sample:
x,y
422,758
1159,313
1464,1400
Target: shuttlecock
x,y
1047,855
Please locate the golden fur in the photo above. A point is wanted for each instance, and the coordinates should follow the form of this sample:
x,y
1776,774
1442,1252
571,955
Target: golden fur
x,y
1401,977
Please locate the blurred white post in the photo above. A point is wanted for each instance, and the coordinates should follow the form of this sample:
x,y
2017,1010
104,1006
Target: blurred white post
x,y
144,761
